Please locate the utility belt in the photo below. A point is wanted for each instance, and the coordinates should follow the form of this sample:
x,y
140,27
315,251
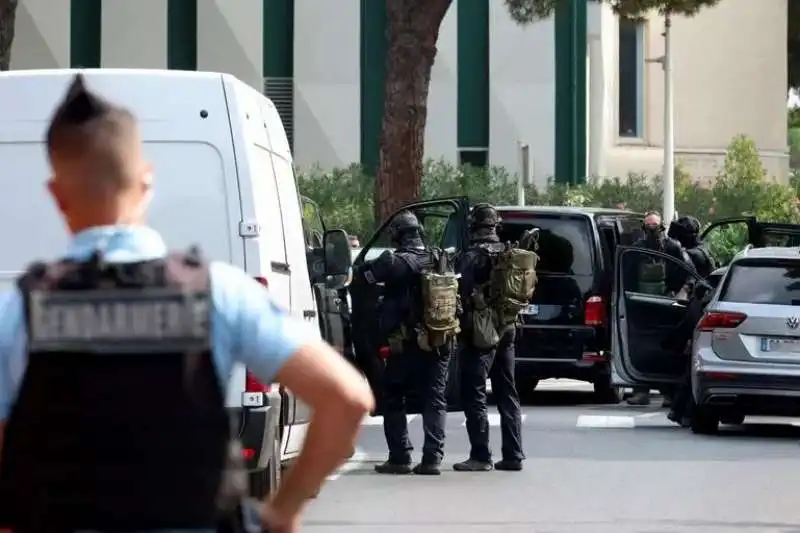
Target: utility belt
x,y
407,334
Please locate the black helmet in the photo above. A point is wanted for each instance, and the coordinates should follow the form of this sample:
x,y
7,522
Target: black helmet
x,y
484,215
690,224
404,221
685,226
685,230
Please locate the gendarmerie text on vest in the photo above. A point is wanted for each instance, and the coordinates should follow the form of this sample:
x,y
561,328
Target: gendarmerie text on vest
x,y
104,316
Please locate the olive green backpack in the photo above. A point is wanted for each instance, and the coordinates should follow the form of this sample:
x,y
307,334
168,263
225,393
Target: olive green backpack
x,y
512,282
441,305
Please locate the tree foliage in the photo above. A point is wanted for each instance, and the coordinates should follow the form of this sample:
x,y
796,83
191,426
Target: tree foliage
x,y
741,188
527,11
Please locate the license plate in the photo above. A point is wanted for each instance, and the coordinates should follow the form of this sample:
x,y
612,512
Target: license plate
x,y
530,310
780,345
252,399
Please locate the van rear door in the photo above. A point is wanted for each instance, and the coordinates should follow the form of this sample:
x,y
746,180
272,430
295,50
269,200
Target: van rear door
x,y
553,327
186,137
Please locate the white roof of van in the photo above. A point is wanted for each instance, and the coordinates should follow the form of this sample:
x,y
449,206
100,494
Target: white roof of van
x,y
152,95
91,72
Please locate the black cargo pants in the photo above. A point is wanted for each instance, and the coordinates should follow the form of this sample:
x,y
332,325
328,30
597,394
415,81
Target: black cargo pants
x,y
425,372
498,365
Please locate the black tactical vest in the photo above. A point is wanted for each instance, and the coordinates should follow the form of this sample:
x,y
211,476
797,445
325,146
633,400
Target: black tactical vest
x,y
120,422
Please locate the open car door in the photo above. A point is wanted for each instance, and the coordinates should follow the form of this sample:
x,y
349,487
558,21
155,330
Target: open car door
x,y
329,295
445,223
727,237
651,325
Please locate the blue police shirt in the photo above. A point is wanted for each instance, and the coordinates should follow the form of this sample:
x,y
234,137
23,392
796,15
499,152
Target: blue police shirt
x,y
246,326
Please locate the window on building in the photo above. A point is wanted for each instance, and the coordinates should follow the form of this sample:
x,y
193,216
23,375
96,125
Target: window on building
x,y
631,78
475,157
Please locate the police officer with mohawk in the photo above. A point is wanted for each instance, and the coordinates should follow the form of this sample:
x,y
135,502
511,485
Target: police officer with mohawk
x,y
114,359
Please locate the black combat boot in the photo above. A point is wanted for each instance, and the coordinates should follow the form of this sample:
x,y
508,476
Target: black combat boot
x,y
393,468
427,469
473,465
508,465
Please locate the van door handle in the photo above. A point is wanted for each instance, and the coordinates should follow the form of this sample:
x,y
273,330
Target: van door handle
x,y
309,313
280,268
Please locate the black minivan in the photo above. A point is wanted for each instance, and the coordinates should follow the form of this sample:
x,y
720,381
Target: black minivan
x,y
565,332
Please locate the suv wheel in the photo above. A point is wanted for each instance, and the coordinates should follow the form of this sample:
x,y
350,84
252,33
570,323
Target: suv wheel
x,y
704,421
605,392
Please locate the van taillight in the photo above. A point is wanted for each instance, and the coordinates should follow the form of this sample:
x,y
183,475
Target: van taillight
x,y
262,280
251,384
720,320
594,312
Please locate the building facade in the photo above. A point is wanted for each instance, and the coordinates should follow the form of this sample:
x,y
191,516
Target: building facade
x,y
493,81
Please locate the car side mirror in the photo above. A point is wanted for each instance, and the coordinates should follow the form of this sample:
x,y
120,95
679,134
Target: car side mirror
x,y
338,257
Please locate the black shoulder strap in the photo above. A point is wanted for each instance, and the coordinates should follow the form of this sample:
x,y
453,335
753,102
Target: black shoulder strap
x,y
411,264
44,276
189,269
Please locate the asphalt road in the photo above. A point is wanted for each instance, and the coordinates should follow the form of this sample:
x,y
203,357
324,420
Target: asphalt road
x,y
590,469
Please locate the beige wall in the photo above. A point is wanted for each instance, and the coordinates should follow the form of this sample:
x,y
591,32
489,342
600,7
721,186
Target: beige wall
x,y
42,35
229,39
729,78
123,21
327,83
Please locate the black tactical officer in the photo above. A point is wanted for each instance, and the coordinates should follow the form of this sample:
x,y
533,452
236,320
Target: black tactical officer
x,y
477,364
657,277
408,366
686,230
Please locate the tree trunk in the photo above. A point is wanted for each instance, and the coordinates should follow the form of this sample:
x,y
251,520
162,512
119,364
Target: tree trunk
x,y
413,28
8,15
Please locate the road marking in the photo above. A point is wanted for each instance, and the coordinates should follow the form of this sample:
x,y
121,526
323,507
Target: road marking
x,y
378,420
354,463
494,420
564,385
607,422
654,414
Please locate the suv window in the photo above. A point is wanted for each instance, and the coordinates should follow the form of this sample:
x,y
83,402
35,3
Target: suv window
x,y
763,282
565,246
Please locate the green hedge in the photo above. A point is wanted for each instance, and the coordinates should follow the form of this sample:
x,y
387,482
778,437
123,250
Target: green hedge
x,y
345,196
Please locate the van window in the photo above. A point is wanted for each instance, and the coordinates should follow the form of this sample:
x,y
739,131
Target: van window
x,y
189,205
565,245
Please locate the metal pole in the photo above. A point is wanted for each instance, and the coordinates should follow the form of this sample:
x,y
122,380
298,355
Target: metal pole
x,y
669,127
524,172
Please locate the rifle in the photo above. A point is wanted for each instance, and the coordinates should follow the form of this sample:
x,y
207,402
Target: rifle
x,y
530,240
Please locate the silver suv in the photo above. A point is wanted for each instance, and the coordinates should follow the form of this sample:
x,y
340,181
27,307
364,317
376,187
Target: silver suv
x,y
746,348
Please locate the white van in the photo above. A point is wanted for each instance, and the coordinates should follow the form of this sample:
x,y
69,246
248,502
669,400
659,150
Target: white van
x,y
224,180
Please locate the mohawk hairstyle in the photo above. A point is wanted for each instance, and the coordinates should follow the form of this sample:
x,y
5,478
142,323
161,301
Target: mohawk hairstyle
x,y
83,117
